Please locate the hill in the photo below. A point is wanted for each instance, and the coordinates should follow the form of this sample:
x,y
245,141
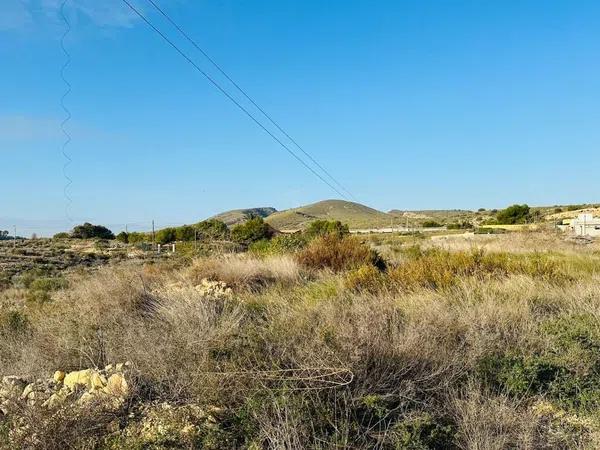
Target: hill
x,y
439,215
353,214
237,216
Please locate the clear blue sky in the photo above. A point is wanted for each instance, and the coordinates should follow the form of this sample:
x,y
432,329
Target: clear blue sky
x,y
410,104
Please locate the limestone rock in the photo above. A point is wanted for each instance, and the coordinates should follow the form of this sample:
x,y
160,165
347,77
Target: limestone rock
x,y
59,376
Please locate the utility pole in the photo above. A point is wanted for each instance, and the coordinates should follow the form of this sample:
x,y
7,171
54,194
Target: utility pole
x,y
15,237
153,235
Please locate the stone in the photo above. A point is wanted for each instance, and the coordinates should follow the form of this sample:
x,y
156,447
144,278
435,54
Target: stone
x,y
97,381
117,386
78,378
27,391
57,398
12,387
59,376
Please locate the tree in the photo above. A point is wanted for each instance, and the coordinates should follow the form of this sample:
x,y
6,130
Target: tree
x,y
166,235
89,231
185,233
123,237
251,231
514,214
431,224
212,229
325,227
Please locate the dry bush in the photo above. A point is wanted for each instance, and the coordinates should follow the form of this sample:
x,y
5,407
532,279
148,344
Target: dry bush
x,y
70,426
338,254
438,269
245,271
516,242
488,422
365,279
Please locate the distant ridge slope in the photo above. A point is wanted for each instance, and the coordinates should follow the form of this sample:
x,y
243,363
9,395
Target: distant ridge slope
x,y
237,216
355,215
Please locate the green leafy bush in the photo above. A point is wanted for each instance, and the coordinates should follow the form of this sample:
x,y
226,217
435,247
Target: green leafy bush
x,y
251,231
212,229
280,244
166,236
514,214
422,432
123,237
431,224
323,227
90,231
567,371
460,226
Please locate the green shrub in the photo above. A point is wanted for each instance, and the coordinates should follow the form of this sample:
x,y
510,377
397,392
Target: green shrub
x,y
251,231
62,235
514,214
280,244
212,229
566,370
89,231
422,432
323,227
40,289
166,236
123,237
136,238
13,322
48,284
431,224
460,226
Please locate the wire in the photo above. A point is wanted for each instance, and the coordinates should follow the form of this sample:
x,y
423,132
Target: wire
x,y
245,94
233,100
67,158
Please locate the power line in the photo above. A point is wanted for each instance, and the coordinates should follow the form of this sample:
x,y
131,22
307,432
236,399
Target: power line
x,y
67,159
233,100
245,94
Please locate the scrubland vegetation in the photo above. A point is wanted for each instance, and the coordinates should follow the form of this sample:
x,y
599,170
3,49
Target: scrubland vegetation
x,y
320,340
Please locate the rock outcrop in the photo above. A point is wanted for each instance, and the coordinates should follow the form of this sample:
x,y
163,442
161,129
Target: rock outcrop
x,y
108,386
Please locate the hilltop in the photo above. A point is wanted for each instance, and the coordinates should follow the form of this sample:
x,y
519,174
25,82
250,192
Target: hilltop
x,y
353,214
237,216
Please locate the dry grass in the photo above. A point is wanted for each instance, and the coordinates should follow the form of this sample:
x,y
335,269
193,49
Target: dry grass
x,y
245,271
355,359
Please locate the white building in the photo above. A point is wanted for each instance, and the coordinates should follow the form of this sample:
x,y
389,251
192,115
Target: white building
x,y
585,225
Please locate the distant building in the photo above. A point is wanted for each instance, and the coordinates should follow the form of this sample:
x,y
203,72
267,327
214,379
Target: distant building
x,y
585,225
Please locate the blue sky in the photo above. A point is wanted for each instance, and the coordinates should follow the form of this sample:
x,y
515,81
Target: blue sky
x,y
410,104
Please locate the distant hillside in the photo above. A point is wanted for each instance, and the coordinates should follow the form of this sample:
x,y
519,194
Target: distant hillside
x,y
354,215
238,216
438,215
